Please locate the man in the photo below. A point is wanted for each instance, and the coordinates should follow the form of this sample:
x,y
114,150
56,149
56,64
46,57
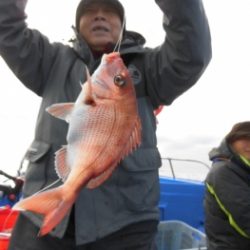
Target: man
x,y
123,212
227,203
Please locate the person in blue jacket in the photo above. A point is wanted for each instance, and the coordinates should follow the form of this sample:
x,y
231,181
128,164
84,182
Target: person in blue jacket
x,y
123,212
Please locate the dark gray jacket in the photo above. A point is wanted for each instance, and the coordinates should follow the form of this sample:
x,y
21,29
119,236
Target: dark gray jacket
x,y
227,203
53,71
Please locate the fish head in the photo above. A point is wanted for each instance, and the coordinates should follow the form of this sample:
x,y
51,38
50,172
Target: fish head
x,y
112,80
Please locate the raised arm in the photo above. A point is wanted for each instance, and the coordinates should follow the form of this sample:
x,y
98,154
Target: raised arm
x,y
27,52
178,63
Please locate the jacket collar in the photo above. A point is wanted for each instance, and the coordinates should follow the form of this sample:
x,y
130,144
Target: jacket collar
x,y
225,152
245,160
133,42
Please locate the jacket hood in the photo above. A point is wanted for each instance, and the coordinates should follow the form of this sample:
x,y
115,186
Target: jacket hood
x,y
225,152
132,37
221,152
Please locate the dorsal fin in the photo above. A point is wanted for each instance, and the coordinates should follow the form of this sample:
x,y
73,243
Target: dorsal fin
x,y
97,181
133,142
87,90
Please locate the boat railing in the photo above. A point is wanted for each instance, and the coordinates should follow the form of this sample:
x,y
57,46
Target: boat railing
x,y
184,168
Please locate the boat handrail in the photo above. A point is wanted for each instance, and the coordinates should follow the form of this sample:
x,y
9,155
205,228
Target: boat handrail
x,y
170,160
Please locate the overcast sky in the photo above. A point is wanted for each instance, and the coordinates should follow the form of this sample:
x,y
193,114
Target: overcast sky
x,y
193,124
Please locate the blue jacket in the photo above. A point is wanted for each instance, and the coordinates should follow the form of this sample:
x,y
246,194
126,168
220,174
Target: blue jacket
x,y
53,71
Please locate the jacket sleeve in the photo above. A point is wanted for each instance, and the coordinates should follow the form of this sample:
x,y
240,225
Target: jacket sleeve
x,y
178,63
231,193
27,52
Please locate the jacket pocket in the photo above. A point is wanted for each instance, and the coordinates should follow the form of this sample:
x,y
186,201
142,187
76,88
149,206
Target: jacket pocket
x,y
36,151
37,158
138,180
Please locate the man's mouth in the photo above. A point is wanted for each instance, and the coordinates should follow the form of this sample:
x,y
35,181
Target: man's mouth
x,y
100,28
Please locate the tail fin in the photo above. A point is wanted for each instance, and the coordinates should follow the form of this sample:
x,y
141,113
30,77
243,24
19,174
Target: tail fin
x,y
52,204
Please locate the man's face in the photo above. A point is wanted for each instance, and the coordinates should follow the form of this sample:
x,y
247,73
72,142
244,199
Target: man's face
x,y
100,25
242,147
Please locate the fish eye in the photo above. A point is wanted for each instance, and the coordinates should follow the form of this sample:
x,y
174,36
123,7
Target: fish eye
x,y
119,80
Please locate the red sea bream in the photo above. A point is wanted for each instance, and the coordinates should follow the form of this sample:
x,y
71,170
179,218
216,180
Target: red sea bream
x,y
104,127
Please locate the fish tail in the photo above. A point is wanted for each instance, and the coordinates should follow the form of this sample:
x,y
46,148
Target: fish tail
x,y
52,204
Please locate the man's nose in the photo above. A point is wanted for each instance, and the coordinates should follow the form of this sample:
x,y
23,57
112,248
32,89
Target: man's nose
x,y
100,15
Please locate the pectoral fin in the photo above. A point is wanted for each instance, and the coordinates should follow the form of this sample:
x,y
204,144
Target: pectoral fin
x,y
61,110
